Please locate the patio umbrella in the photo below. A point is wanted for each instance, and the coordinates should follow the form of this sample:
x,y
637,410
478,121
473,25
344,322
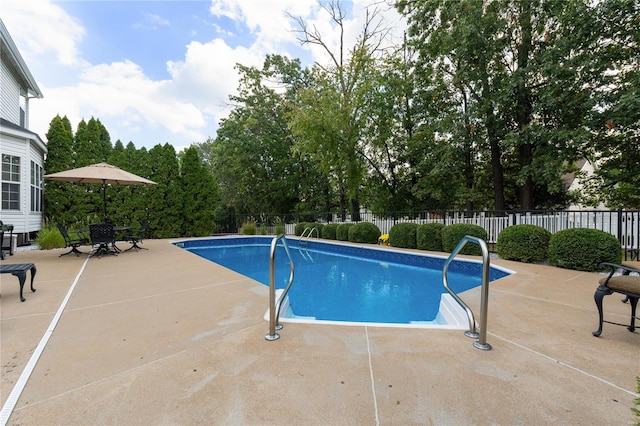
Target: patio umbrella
x,y
102,173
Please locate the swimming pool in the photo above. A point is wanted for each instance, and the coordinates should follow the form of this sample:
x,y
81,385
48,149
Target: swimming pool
x,y
352,284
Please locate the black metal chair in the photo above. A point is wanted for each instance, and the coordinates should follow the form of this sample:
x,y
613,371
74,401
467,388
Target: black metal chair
x,y
104,237
74,243
626,284
8,247
137,238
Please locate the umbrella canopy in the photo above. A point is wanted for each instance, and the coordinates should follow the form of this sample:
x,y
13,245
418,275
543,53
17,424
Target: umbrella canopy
x,y
102,173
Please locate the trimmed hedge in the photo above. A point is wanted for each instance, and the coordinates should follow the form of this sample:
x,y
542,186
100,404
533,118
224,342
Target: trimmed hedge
x,y
524,243
300,227
364,232
342,233
453,234
583,249
329,231
403,235
429,236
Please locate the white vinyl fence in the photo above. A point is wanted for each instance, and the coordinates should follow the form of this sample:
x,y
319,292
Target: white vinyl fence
x,y
623,224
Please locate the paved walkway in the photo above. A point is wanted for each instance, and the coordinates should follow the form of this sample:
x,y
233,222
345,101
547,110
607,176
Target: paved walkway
x,y
162,336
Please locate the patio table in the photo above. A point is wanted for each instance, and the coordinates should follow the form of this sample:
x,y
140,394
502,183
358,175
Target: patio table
x,y
103,249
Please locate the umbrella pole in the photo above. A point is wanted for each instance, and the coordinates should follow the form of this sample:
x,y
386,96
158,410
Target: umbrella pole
x,y
104,199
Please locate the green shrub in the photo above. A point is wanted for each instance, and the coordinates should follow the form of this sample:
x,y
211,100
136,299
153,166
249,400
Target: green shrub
x,y
248,228
342,233
49,237
319,227
263,228
429,236
280,228
524,243
329,231
403,235
453,234
583,249
364,232
300,227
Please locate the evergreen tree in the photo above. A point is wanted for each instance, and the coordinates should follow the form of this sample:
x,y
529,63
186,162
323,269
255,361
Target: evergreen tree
x,y
90,148
199,196
164,199
59,196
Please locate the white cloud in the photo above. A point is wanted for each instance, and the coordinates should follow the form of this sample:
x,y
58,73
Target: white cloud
x,y
182,109
40,26
152,22
127,102
267,19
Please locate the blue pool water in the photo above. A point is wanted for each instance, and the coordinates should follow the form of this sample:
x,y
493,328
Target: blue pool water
x,y
337,282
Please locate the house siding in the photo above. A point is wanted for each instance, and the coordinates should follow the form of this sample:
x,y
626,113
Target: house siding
x,y
9,95
15,138
23,220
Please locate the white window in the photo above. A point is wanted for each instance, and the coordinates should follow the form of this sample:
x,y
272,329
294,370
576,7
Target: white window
x,y
10,182
36,187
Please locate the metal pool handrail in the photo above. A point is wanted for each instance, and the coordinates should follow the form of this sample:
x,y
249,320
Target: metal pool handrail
x,y
481,343
305,237
274,311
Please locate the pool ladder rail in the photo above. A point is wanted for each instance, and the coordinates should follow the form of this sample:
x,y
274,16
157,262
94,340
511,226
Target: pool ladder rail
x,y
276,305
481,343
307,234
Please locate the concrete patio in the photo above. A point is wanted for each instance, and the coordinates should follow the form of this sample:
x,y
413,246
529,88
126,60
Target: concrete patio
x,y
162,336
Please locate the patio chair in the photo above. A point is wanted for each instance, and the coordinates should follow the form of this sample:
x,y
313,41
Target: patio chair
x,y
9,246
103,236
74,243
137,237
626,284
631,266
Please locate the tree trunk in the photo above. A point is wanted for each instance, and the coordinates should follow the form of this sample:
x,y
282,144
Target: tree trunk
x,y
524,108
496,153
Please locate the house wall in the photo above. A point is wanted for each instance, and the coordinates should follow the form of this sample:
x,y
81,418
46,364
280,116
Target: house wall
x,y
586,170
9,95
24,220
18,141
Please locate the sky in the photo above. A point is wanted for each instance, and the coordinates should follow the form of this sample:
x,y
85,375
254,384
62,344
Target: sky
x,y
157,72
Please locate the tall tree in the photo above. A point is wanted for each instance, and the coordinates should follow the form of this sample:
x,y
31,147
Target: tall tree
x,y
92,143
615,123
200,197
505,54
127,204
330,122
252,155
164,207
59,196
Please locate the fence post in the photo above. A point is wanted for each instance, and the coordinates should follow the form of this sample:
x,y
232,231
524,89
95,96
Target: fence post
x,y
620,225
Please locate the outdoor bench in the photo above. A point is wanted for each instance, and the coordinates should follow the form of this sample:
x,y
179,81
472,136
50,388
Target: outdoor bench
x,y
20,270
